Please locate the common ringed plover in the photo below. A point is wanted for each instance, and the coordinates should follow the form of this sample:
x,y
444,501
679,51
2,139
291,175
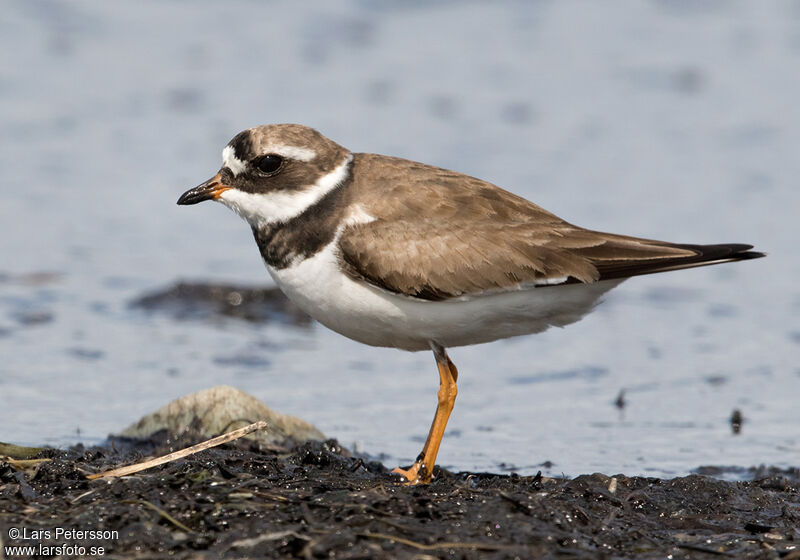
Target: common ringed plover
x,y
391,252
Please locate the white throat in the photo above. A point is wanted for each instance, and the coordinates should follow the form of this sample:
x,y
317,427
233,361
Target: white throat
x,y
260,209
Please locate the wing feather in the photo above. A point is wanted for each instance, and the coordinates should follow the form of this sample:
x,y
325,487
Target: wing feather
x,y
437,234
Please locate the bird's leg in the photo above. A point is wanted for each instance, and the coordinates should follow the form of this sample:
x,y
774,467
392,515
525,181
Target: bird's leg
x,y
422,469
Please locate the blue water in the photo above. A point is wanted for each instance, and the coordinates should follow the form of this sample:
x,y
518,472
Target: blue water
x,y
672,120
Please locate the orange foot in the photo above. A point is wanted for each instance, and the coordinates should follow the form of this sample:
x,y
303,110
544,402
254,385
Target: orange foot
x,y
417,474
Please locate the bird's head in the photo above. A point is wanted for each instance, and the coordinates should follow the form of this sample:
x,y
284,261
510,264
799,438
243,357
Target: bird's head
x,y
272,173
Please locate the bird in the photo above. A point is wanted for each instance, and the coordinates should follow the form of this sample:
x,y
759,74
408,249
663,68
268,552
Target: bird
x,y
395,253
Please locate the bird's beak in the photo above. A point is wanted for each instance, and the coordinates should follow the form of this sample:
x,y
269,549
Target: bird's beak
x,y
210,190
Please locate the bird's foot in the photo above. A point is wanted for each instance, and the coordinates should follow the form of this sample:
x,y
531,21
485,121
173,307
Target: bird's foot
x,y
417,474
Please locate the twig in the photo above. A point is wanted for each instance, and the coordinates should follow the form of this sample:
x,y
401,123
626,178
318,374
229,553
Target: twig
x,y
439,546
84,495
213,442
707,550
250,543
160,512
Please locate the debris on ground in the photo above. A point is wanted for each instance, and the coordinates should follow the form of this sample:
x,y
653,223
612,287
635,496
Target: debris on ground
x,y
316,500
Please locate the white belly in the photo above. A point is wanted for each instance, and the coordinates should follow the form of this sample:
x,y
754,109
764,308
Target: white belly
x,y
373,316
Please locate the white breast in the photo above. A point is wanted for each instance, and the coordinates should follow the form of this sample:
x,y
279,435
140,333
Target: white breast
x,y
374,316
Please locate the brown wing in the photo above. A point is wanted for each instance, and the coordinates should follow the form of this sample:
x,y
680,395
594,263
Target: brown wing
x,y
439,234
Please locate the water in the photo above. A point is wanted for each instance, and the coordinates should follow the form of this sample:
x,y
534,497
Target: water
x,y
670,120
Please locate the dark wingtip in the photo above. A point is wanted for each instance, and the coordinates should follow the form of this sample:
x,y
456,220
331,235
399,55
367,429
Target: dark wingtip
x,y
736,251
751,255
703,255
732,251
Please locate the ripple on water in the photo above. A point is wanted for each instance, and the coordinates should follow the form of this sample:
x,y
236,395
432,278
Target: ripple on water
x,y
88,354
33,318
243,360
588,372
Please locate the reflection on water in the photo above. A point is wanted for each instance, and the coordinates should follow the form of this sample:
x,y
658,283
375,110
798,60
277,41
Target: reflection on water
x,y
672,120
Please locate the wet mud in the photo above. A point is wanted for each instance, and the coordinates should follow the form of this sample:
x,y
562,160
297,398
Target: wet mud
x,y
204,301
316,500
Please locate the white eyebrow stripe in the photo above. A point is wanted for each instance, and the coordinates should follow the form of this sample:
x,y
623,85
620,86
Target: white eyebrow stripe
x,y
236,165
230,161
293,152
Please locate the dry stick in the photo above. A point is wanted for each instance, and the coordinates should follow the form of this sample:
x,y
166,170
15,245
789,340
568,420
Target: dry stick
x,y
219,440
441,545
160,512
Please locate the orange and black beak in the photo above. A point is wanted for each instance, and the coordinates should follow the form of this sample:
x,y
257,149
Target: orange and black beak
x,y
210,190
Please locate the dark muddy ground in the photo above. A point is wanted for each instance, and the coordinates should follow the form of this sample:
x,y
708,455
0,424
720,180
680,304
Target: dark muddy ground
x,y
317,501
203,301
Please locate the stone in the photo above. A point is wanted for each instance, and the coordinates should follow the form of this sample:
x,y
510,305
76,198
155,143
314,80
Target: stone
x,y
218,410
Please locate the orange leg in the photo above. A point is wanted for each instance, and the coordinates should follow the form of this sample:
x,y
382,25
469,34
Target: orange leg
x,y
422,469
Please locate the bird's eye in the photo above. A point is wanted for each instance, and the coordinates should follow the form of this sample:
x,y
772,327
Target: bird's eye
x,y
269,163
